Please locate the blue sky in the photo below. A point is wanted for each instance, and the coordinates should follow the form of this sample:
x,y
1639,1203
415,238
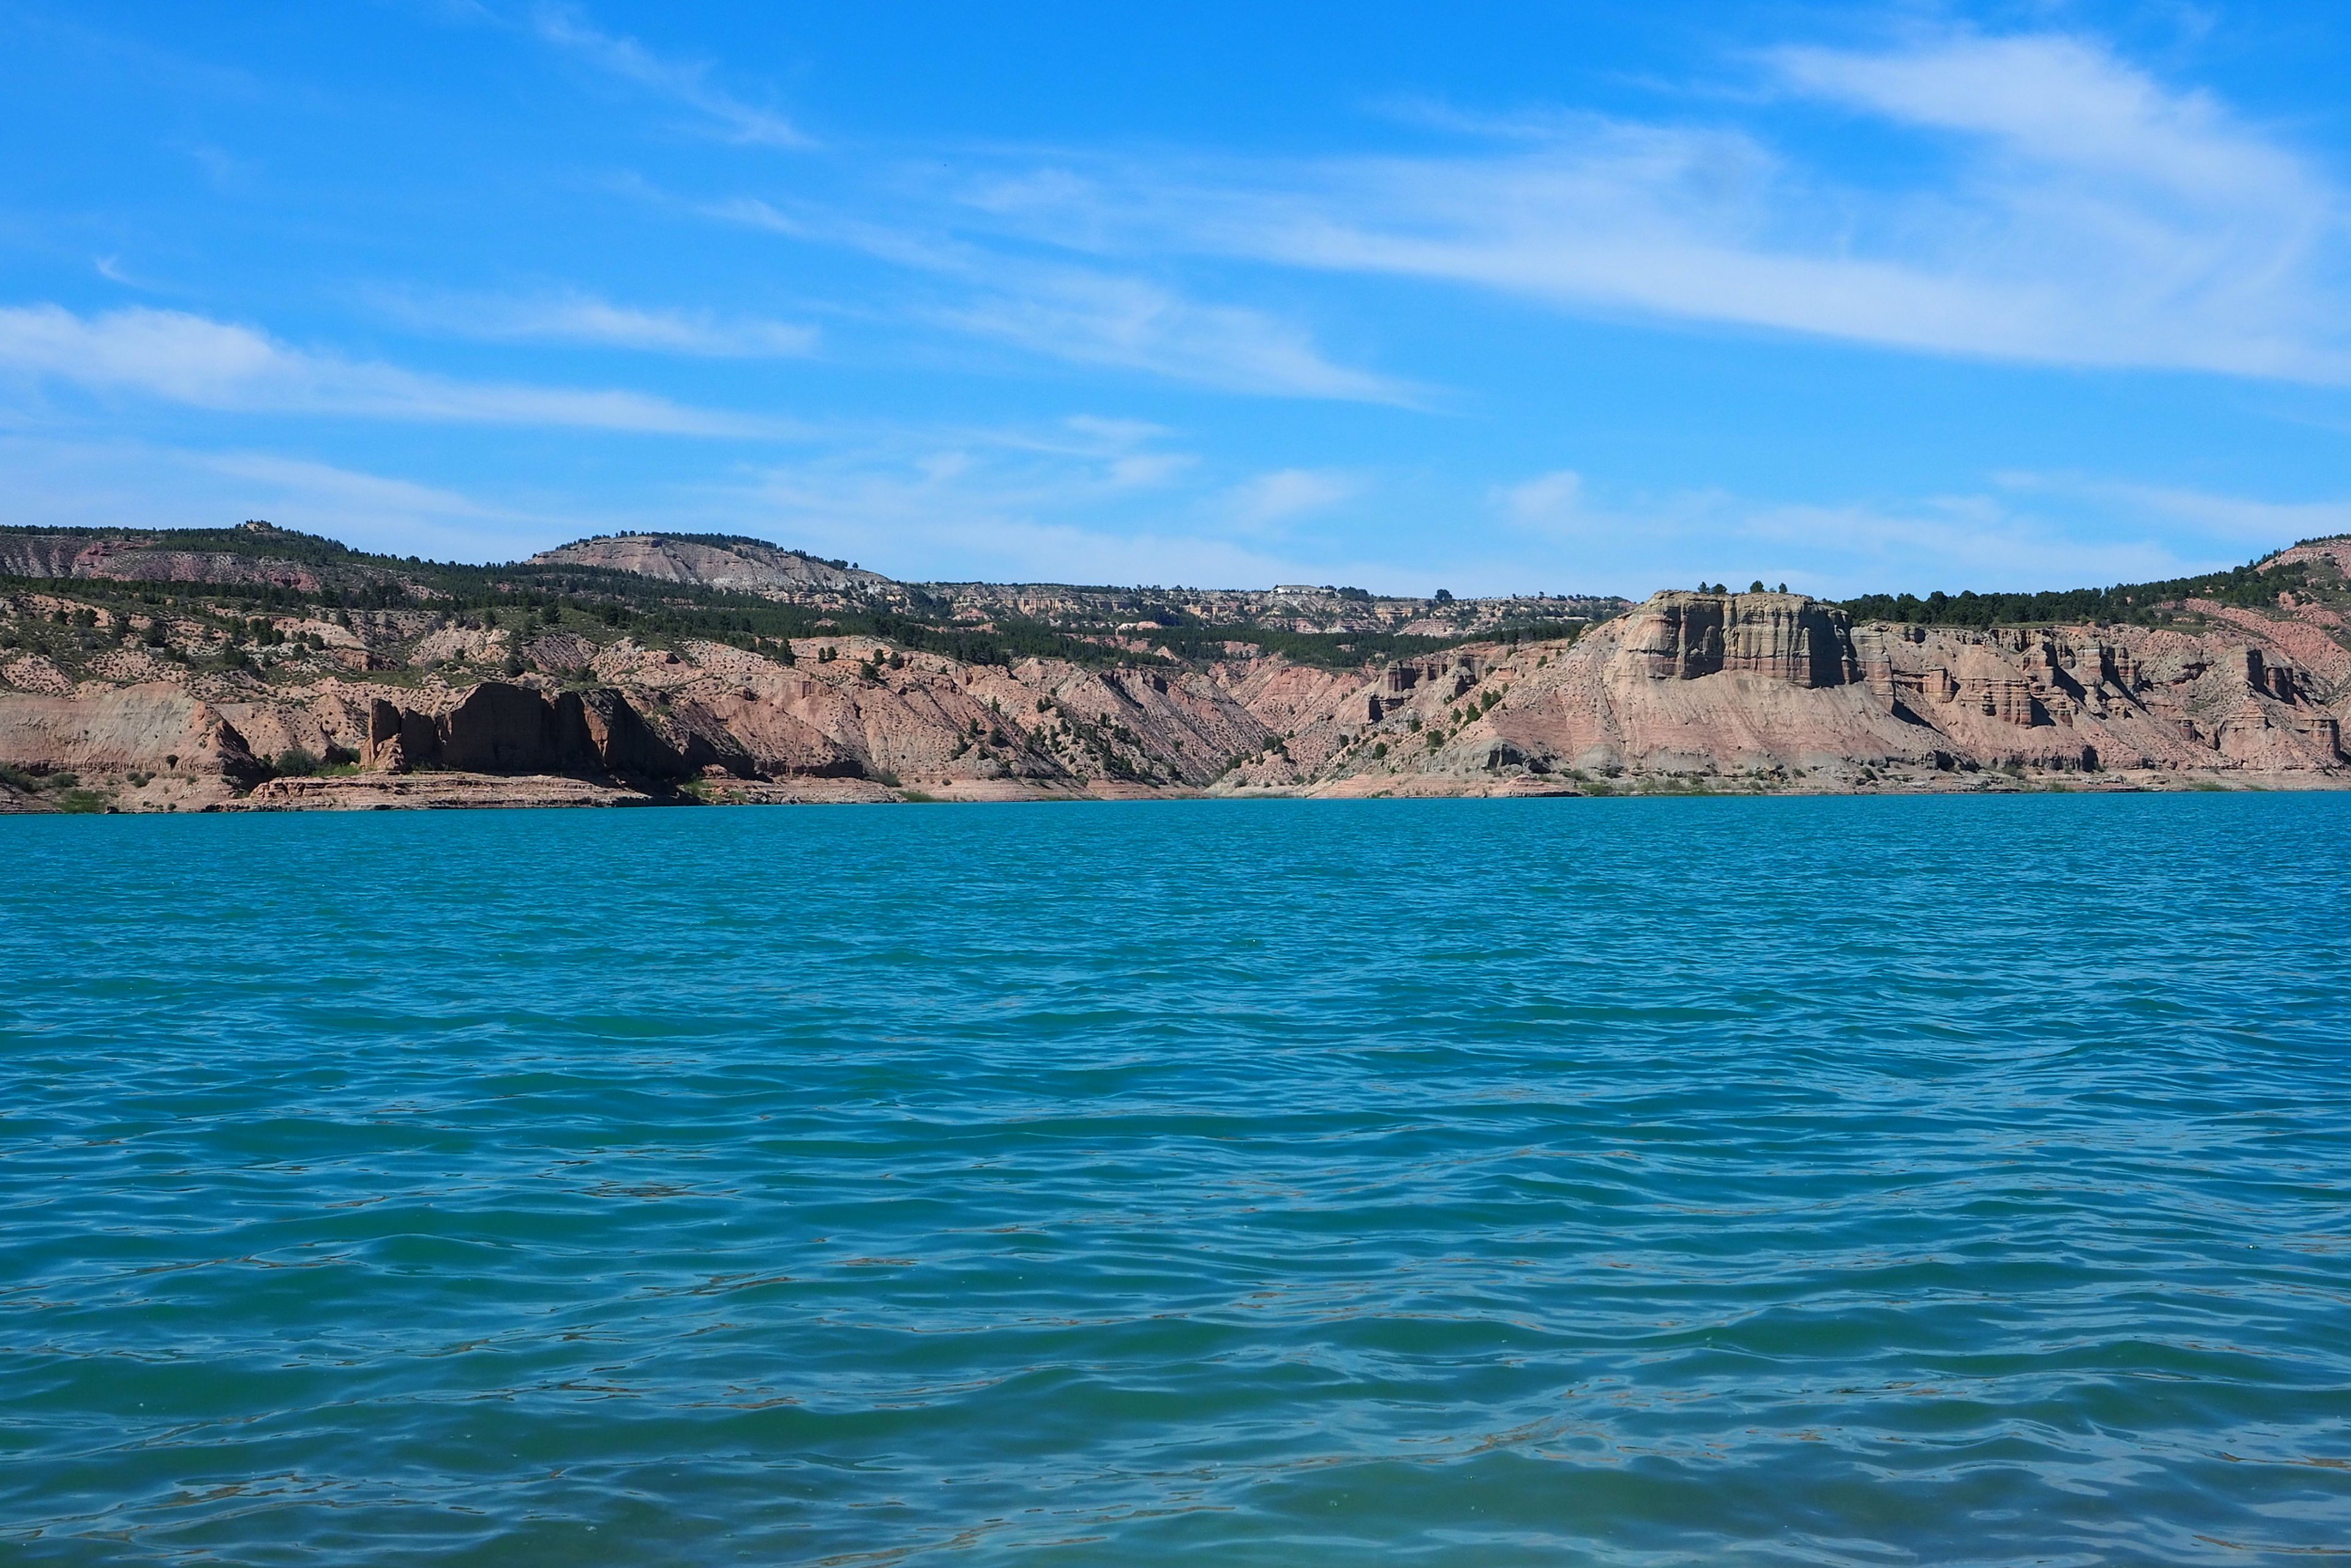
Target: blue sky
x,y
1512,296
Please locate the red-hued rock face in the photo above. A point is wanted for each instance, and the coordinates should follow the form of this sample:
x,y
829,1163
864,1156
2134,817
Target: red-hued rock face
x,y
137,560
1677,636
144,727
502,729
1769,690
1789,637
506,729
601,726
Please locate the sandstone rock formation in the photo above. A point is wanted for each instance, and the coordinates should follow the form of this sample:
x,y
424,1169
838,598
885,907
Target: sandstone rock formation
x,y
151,558
741,565
1775,686
1784,636
153,726
394,704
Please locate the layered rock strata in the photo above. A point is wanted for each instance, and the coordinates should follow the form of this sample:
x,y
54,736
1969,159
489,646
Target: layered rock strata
x,y
1751,690
1777,687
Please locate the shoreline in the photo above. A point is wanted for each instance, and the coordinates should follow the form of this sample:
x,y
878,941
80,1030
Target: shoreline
x,y
555,692
426,791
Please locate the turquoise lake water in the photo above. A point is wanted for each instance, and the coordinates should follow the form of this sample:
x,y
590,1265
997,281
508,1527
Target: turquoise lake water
x,y
1851,1181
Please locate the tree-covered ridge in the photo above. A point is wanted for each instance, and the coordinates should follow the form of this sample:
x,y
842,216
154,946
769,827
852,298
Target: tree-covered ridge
x,y
604,603
1346,650
2255,585
922,618
718,541
258,543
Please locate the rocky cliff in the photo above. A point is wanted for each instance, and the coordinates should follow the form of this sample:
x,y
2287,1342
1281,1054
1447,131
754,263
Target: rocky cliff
x,y
1774,691
151,704
1784,636
745,566
149,558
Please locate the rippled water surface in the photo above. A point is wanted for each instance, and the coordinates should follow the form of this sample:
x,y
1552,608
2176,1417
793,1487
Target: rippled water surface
x,y
1869,1181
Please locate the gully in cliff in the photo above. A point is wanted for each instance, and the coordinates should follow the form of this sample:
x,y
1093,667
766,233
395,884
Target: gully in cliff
x,y
162,672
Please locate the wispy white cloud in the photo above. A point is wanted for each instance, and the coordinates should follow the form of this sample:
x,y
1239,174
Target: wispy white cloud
x,y
2025,532
350,488
947,528
1949,541
572,317
1089,317
377,511
1082,500
131,483
111,269
685,82
1095,318
2081,212
2058,101
893,243
223,169
1550,501
1270,500
2266,524
192,360
1052,503
1117,455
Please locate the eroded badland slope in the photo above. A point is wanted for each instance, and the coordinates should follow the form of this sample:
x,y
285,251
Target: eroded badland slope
x,y
266,669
